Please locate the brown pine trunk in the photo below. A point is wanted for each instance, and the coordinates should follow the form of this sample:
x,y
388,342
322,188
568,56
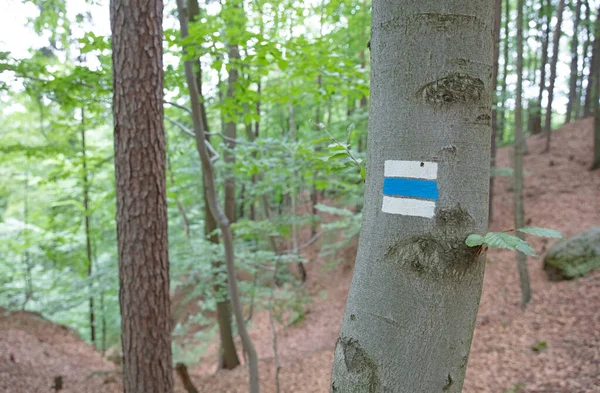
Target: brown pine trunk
x,y
585,58
497,23
138,82
86,210
547,14
555,54
574,63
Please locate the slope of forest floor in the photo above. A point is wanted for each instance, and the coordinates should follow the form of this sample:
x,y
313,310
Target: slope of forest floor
x,y
561,322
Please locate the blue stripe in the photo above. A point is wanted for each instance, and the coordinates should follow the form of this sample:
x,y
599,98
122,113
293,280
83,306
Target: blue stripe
x,y
411,188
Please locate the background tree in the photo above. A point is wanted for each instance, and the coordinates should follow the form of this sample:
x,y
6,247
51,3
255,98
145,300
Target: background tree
x,y
424,273
553,64
141,195
518,160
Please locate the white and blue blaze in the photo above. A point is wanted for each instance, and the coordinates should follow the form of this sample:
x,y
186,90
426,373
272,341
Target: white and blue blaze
x,y
410,188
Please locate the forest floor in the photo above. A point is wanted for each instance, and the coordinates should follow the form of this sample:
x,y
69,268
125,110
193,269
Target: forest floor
x,y
560,193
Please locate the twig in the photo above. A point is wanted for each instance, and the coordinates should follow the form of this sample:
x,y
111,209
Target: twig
x,y
321,126
187,131
176,105
308,243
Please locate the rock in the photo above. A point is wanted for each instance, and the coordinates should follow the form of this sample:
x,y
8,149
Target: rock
x,y
574,257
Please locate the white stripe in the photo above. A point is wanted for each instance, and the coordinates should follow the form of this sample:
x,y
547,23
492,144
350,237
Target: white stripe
x,y
408,207
411,169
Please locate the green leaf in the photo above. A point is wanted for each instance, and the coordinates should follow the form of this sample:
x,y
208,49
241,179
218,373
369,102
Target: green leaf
x,y
475,240
542,232
509,242
363,172
336,156
320,140
337,146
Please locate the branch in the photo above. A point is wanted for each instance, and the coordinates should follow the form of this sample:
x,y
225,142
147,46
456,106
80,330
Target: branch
x,y
191,133
308,243
176,105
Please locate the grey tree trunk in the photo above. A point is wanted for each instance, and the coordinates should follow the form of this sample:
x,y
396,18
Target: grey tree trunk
x,y
228,358
497,24
413,301
215,207
594,69
501,120
546,11
88,236
574,63
518,161
555,54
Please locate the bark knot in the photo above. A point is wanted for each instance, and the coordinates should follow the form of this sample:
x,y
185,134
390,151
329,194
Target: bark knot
x,y
440,251
454,88
362,369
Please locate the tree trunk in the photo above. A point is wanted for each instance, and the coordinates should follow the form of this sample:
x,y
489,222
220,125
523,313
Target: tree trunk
x,y
228,358
137,36
231,134
574,63
596,161
585,57
594,69
501,119
88,239
518,161
497,24
555,55
547,13
215,207
414,273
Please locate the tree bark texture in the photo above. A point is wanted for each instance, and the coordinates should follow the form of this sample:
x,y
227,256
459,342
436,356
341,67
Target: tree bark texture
x,y
555,55
215,207
413,301
518,151
571,105
141,195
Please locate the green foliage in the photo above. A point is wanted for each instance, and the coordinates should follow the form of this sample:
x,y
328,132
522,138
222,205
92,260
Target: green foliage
x,y
509,241
539,346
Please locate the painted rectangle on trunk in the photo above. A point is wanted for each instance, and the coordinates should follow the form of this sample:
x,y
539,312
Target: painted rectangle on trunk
x,y
410,188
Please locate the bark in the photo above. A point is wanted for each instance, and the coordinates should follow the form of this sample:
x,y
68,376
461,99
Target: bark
x,y
228,358
594,69
88,239
571,105
138,82
518,161
547,12
413,301
555,55
497,23
215,207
